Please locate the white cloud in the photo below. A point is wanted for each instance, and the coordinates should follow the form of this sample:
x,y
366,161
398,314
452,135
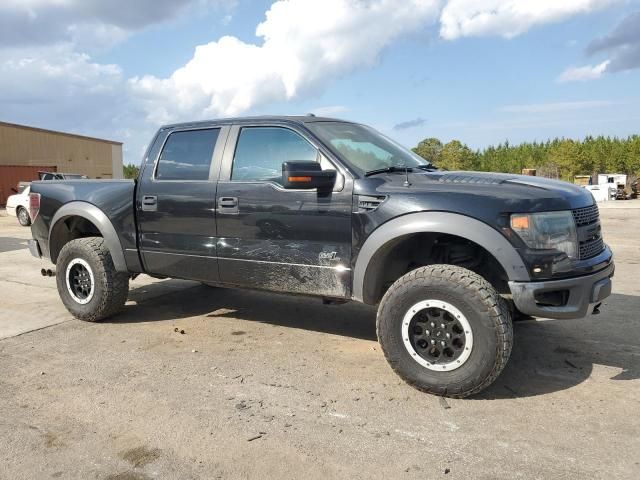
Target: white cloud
x,y
554,107
409,124
622,45
99,23
508,18
53,75
57,88
47,79
581,74
329,110
305,45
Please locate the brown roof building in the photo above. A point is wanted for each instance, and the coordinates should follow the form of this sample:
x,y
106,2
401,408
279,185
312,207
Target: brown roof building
x,y
25,150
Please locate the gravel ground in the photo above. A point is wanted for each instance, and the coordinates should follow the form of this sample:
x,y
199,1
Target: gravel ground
x,y
270,386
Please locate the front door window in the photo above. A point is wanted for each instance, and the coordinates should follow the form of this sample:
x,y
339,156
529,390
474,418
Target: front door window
x,y
261,151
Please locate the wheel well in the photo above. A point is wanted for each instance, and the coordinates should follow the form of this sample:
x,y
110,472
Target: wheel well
x,y
67,229
406,253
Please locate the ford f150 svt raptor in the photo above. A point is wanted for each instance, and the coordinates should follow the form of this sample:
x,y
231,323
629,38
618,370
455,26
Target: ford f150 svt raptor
x,y
330,208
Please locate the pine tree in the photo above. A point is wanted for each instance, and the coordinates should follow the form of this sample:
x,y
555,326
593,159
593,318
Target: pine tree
x,y
559,157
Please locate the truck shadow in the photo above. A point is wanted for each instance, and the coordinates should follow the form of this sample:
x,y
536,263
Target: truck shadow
x,y
182,299
553,355
548,356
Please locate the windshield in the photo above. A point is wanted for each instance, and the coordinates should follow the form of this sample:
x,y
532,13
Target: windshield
x,y
364,149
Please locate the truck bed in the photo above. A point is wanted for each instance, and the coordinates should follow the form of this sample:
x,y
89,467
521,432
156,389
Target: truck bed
x,y
114,198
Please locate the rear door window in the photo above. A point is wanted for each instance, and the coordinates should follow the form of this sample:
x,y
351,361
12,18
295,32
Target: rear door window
x,y
187,155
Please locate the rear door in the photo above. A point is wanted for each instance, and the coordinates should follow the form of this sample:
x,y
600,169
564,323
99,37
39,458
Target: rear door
x,y
275,238
176,204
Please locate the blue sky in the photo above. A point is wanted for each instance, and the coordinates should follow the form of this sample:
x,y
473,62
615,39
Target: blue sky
x,y
480,72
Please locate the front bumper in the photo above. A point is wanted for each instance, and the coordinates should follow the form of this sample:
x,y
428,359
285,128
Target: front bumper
x,y
11,211
580,294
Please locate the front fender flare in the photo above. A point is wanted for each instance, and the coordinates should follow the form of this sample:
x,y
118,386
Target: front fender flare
x,y
100,220
437,222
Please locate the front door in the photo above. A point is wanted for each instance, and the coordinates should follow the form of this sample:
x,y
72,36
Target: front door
x,y
175,206
275,238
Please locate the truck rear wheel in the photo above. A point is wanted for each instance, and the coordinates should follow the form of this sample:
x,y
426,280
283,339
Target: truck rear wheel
x,y
88,283
445,330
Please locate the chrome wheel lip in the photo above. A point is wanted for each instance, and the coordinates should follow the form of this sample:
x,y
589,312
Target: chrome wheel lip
x,y
85,264
458,315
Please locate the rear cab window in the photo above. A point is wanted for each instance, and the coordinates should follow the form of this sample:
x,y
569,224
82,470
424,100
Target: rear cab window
x,y
187,155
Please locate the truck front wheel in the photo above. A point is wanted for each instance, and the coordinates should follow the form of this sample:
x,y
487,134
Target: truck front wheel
x,y
445,330
88,283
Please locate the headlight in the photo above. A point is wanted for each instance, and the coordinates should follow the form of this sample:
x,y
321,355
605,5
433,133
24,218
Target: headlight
x,y
547,231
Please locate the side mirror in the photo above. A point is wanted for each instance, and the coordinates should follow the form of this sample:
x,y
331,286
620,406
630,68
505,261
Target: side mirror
x,y
307,175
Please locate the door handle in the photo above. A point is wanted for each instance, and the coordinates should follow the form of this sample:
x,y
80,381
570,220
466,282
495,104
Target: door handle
x,y
228,204
149,203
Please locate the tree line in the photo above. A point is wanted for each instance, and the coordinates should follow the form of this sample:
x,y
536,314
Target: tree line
x,y
130,171
558,158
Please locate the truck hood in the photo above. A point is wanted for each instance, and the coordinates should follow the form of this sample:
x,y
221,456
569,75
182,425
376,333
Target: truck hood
x,y
496,192
554,188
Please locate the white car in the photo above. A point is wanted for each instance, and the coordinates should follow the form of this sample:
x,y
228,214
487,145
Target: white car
x,y
18,206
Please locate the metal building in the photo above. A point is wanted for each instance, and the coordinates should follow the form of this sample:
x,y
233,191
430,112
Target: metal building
x,y
26,150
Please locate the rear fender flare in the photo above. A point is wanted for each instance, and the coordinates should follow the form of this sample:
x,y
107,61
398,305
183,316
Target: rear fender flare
x,y
96,216
437,222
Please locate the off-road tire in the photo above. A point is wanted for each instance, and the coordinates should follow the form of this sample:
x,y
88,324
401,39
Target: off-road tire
x,y
110,287
485,310
24,219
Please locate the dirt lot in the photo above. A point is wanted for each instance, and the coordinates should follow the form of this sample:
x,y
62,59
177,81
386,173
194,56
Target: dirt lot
x,y
265,386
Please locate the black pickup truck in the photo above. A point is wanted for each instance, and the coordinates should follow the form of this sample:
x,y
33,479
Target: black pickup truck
x,y
334,209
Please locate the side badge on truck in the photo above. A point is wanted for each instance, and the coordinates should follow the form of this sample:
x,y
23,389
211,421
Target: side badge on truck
x,y
328,256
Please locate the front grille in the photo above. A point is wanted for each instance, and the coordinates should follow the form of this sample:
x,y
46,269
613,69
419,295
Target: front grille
x,y
586,215
589,235
591,248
